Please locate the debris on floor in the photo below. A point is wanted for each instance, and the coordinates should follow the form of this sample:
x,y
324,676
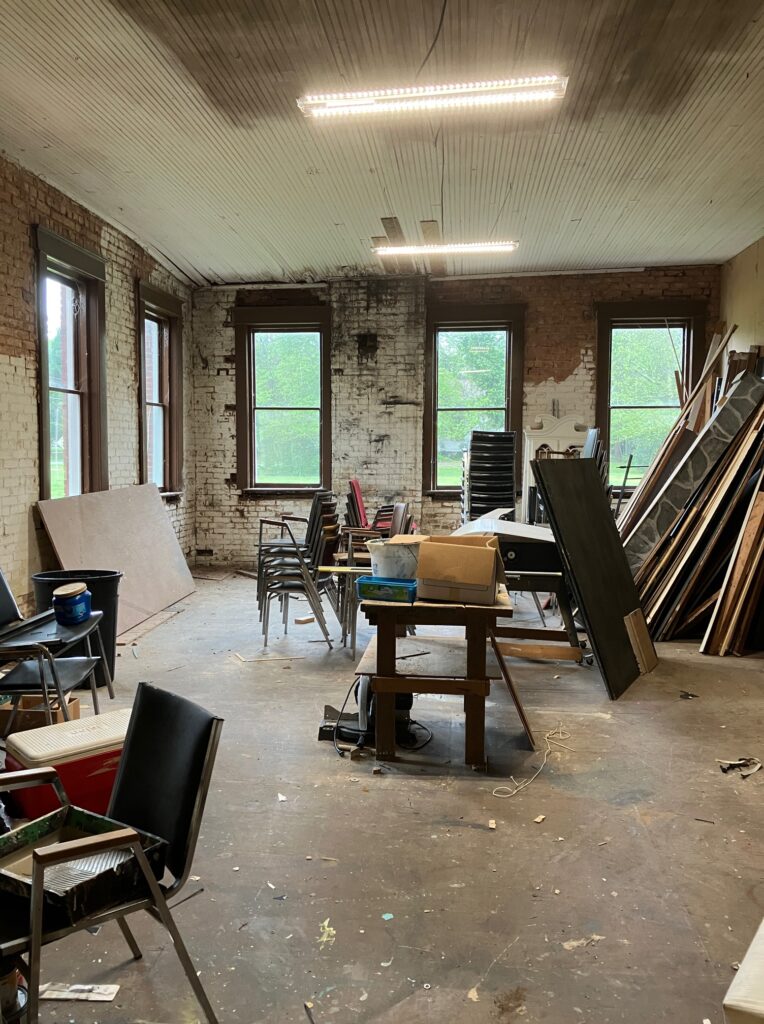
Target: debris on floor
x,y
744,765
686,695
79,993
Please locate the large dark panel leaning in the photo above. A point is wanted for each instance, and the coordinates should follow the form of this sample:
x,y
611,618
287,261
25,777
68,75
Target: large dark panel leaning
x,y
595,561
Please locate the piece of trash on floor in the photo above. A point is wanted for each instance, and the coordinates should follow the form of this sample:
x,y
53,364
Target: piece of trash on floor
x,y
328,934
745,765
540,818
195,878
80,993
706,821
282,798
236,869
473,995
331,860
364,996
555,677
270,885
735,966
686,695
427,986
492,823
589,940
386,963
304,620
388,917
308,1007
280,897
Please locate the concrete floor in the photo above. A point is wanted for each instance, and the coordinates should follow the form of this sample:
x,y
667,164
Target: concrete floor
x,y
629,902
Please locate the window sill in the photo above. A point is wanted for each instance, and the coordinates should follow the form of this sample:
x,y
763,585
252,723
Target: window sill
x,y
172,496
441,495
279,492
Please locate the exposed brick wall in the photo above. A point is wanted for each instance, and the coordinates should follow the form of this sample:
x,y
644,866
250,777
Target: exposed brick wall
x,y
378,334
25,200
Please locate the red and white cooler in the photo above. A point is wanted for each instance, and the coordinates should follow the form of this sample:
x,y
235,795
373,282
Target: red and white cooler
x,y
85,752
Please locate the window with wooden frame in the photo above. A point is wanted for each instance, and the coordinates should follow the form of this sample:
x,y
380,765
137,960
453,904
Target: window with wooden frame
x,y
283,404
473,381
160,390
648,356
72,367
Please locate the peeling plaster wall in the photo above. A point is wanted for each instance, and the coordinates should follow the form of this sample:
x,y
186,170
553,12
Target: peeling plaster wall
x,y
378,338
742,296
25,201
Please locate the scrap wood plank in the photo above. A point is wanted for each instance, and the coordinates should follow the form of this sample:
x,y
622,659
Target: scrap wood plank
x,y
745,397
126,529
647,487
541,652
431,235
694,538
742,569
513,691
641,644
395,235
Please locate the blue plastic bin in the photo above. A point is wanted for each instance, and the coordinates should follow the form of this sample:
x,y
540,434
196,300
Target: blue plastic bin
x,y
379,588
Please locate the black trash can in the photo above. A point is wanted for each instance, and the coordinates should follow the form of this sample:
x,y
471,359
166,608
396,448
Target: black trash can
x,y
103,585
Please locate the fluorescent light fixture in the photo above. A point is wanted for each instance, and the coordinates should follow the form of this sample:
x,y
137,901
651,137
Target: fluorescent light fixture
x,y
447,249
435,97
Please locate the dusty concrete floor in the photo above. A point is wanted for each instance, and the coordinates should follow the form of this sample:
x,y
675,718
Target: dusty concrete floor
x,y
629,902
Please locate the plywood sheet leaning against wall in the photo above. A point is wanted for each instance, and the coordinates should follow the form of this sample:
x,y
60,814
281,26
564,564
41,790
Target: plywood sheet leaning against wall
x,y
125,529
596,568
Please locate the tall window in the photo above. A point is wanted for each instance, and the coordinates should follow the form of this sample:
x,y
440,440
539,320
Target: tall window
x,y
645,364
161,388
282,367
73,453
474,377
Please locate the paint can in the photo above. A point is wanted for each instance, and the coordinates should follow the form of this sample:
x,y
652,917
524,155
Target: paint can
x,y
395,559
71,604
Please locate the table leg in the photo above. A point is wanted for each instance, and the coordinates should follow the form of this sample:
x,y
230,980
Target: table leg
x,y
474,729
385,702
474,706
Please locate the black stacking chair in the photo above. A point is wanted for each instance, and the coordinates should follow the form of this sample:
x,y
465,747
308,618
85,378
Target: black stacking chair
x,y
161,788
39,646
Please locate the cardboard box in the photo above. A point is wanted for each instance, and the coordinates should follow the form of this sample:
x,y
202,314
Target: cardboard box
x,y
463,570
30,716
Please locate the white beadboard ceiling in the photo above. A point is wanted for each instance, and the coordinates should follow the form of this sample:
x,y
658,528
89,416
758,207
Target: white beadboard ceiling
x,y
176,119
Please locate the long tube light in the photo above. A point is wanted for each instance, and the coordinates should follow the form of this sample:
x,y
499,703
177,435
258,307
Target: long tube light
x,y
446,249
435,97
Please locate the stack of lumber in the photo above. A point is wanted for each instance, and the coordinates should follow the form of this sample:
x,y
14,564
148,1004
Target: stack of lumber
x,y
694,530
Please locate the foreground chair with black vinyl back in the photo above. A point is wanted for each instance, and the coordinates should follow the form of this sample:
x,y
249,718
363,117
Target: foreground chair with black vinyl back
x,y
161,788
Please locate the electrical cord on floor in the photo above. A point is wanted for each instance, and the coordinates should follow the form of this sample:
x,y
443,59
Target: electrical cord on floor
x,y
425,741
339,719
359,732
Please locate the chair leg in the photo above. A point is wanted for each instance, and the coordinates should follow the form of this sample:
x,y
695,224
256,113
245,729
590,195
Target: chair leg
x,y
104,663
285,600
35,947
94,693
168,921
14,709
135,949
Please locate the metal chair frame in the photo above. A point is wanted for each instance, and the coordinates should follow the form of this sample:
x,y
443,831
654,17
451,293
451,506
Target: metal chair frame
x,y
156,904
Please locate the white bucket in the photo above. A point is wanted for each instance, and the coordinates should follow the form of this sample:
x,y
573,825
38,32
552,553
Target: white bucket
x,y
394,561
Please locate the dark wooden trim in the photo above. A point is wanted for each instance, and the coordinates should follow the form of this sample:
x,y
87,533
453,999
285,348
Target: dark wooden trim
x,y
168,309
245,319
693,311
68,256
87,272
512,318
43,403
282,316
244,418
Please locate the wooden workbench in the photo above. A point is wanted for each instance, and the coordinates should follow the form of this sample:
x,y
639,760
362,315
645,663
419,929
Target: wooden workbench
x,y
393,676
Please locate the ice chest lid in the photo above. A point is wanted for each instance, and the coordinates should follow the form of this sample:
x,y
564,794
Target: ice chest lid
x,y
69,741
